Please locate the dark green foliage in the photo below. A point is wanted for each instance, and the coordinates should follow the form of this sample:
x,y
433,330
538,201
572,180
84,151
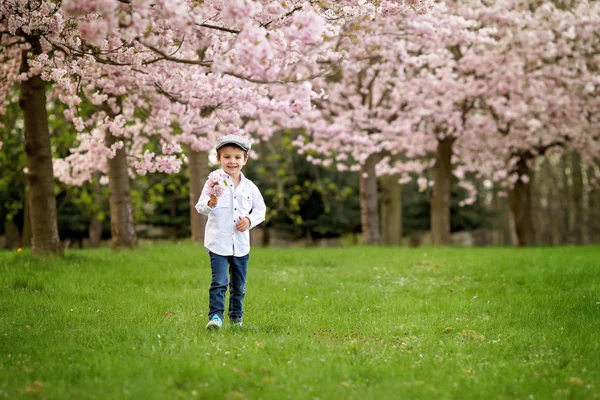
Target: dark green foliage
x,y
161,201
417,214
12,165
304,200
77,207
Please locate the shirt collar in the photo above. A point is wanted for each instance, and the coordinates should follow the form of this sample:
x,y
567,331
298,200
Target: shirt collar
x,y
242,177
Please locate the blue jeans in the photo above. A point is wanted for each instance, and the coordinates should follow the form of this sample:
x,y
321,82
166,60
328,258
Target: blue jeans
x,y
237,268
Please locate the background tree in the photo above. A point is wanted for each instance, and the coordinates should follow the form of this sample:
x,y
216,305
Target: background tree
x,y
396,94
541,99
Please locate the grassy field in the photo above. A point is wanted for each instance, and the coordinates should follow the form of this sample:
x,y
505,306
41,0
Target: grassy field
x,y
350,323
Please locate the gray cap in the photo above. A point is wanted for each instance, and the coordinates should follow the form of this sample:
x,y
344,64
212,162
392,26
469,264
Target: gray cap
x,y
236,140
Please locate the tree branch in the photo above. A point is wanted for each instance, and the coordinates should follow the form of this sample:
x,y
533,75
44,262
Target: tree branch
x,y
219,28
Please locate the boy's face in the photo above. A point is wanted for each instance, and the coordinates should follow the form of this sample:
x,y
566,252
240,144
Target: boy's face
x,y
232,159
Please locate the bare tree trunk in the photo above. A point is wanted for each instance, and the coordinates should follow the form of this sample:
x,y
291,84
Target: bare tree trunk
x,y
11,231
95,232
121,210
440,198
594,210
542,200
513,229
391,211
369,201
587,214
266,237
554,206
522,208
26,235
40,174
595,214
577,189
502,224
199,170
95,228
565,200
538,191
555,203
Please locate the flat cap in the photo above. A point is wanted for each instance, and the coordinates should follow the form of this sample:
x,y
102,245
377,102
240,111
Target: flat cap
x,y
236,140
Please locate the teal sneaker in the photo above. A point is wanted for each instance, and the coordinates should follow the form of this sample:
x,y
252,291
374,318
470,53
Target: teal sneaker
x,y
214,323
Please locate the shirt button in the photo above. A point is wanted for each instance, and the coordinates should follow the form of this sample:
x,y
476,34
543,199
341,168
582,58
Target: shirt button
x,y
235,208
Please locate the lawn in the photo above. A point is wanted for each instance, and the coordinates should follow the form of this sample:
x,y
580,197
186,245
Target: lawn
x,y
350,323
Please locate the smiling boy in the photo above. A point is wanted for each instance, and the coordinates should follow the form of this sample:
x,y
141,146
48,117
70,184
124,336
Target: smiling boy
x,y
227,238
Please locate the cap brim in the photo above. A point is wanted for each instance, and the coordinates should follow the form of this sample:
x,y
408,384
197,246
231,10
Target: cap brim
x,y
243,147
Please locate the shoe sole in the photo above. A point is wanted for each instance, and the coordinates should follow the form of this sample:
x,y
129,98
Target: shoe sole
x,y
212,327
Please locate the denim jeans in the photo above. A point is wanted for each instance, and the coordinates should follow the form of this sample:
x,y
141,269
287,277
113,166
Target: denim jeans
x,y
221,267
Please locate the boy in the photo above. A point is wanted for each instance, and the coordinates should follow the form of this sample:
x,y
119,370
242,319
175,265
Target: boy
x,y
227,239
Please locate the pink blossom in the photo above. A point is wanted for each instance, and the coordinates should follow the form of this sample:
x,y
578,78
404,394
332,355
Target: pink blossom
x,y
239,10
170,148
78,7
216,183
94,31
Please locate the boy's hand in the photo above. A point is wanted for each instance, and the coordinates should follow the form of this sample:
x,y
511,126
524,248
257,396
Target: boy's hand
x,y
243,224
213,201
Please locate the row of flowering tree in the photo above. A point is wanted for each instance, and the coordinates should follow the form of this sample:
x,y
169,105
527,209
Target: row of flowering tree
x,y
480,87
473,87
180,71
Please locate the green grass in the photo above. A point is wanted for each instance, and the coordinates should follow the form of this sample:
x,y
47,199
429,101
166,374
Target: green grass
x,y
350,323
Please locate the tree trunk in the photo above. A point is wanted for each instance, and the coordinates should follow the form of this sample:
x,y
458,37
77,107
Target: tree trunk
x,y
121,210
502,225
587,212
565,200
594,231
369,207
26,235
266,238
40,174
198,170
11,231
95,228
440,198
555,201
537,199
542,195
577,188
391,211
522,208
95,232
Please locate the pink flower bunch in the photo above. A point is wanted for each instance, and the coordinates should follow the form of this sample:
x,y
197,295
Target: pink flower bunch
x,y
216,183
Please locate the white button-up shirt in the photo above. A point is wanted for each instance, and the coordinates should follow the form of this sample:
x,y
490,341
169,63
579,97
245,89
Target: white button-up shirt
x,y
245,200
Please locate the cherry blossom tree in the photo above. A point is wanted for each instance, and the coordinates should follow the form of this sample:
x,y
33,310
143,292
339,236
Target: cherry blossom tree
x,y
243,47
542,91
112,53
489,107
19,40
528,93
386,109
